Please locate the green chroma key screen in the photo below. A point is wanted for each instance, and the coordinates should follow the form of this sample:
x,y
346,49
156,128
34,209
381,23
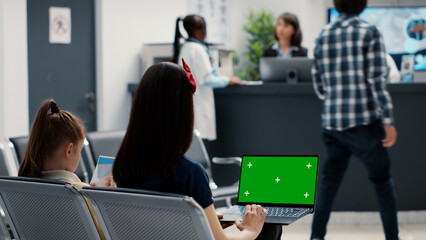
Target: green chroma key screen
x,y
278,179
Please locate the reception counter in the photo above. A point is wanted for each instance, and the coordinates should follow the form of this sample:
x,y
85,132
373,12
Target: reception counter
x,y
286,119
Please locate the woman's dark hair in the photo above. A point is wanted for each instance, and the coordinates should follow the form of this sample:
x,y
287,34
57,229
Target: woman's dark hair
x,y
48,132
160,126
296,38
350,6
191,23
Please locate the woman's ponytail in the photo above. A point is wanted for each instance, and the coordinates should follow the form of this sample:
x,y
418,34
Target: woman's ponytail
x,y
31,161
176,43
49,130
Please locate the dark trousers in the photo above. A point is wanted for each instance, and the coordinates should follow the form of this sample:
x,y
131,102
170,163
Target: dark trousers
x,y
365,143
270,232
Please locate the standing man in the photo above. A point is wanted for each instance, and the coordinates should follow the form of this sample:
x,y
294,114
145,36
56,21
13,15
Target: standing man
x,y
350,73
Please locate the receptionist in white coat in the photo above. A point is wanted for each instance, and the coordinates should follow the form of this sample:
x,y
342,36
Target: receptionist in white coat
x,y
196,55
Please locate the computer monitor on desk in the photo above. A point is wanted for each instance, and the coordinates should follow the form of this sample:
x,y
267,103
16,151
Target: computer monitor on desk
x,y
289,70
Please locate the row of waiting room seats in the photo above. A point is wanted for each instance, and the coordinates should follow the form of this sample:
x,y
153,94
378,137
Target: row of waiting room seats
x,y
223,172
47,209
107,143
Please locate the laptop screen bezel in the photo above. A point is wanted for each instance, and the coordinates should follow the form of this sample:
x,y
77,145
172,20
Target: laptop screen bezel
x,y
280,204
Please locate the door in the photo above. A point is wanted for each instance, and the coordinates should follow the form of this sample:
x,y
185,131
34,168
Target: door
x,y
64,72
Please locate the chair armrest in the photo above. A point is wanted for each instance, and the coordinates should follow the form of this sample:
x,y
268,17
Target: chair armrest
x,y
227,160
226,171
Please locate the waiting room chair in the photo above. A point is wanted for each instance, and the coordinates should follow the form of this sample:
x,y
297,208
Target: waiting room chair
x,y
45,209
8,165
18,147
138,214
4,233
104,143
223,172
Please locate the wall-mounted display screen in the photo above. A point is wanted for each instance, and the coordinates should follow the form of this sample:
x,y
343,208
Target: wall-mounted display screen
x,y
403,30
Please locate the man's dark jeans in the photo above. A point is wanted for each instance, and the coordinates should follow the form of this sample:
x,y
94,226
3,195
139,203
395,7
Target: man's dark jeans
x,y
365,143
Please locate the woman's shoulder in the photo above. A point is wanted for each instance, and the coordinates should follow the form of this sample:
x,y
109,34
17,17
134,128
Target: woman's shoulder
x,y
269,51
189,169
268,47
186,162
300,52
194,45
62,175
193,52
303,49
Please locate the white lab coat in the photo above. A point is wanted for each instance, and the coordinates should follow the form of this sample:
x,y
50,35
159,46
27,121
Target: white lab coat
x,y
197,58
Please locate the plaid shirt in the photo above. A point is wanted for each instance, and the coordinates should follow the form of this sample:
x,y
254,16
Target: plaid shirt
x,y
350,73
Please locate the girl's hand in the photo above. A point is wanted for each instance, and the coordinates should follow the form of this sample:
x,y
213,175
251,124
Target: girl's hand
x,y
111,182
108,181
224,224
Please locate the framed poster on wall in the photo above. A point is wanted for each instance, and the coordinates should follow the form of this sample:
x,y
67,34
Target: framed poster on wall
x,y
217,16
59,25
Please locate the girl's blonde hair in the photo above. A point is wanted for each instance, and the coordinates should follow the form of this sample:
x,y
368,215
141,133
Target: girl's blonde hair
x,y
48,132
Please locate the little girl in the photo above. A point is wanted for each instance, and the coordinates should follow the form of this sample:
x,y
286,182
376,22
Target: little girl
x,y
54,146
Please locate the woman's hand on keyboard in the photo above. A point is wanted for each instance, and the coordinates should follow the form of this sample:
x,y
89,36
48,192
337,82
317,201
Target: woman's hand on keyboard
x,y
253,220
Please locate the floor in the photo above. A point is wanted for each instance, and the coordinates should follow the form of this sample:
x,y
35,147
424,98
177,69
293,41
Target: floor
x,y
356,226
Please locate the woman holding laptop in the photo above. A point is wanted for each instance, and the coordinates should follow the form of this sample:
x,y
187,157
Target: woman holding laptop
x,y
151,156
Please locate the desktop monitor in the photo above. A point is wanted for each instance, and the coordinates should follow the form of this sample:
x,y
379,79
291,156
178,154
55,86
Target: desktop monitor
x,y
290,70
403,30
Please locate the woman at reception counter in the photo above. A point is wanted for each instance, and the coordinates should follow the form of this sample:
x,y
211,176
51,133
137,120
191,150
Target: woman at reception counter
x,y
289,39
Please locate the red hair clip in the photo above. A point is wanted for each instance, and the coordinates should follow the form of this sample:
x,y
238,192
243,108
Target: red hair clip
x,y
189,76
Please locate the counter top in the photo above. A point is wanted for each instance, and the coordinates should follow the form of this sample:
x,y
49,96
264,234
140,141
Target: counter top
x,y
301,88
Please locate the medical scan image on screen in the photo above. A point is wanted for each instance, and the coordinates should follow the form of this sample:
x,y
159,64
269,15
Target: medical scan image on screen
x,y
403,30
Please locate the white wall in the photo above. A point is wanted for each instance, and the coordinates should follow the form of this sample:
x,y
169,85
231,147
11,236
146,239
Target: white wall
x,y
2,95
13,69
123,27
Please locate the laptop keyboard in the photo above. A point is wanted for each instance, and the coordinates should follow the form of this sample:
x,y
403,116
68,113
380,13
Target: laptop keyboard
x,y
272,211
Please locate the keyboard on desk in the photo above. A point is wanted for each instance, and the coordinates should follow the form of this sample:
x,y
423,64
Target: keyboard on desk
x,y
271,211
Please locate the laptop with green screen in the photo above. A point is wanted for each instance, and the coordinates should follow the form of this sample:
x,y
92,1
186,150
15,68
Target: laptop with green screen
x,y
285,185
